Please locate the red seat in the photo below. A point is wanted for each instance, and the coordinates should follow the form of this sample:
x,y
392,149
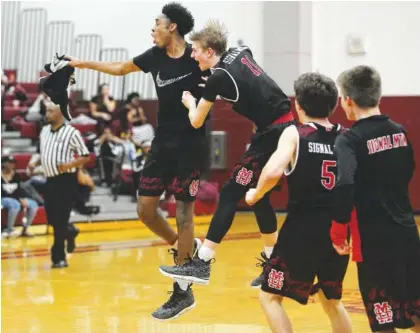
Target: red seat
x,y
30,87
22,160
85,128
10,111
29,130
78,110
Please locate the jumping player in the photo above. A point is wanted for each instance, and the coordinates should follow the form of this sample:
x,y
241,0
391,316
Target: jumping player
x,y
238,79
375,164
178,153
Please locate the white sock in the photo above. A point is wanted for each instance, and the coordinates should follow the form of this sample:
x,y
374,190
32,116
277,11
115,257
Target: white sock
x,y
205,253
182,284
268,251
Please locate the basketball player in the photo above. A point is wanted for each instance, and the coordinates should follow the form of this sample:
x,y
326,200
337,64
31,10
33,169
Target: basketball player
x,y
375,164
177,154
305,155
239,80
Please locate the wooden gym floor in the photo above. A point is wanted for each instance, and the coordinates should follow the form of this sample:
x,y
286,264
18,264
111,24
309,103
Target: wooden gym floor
x,y
113,284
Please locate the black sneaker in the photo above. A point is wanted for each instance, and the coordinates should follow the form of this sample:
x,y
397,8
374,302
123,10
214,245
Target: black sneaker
x,y
71,239
194,271
180,302
197,245
60,264
257,282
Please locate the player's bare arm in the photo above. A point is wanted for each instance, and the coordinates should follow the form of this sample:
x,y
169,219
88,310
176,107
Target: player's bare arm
x,y
116,68
197,113
276,165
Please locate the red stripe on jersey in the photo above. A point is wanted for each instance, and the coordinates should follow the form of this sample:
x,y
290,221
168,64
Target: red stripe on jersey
x,y
355,238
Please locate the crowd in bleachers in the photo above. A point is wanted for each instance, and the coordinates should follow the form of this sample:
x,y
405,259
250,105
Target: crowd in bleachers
x,y
116,132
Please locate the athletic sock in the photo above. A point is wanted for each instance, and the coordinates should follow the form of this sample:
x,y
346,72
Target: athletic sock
x,y
205,253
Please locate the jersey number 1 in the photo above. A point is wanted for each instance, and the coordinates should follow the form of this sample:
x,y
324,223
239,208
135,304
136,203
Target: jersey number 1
x,y
328,177
251,65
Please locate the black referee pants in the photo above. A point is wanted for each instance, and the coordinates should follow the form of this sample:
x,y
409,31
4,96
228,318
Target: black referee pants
x,y
60,193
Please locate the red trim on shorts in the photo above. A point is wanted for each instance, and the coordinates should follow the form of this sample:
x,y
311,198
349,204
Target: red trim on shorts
x,y
355,238
288,117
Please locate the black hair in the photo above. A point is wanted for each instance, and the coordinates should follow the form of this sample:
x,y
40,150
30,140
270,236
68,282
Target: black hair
x,y
131,96
362,84
180,15
316,94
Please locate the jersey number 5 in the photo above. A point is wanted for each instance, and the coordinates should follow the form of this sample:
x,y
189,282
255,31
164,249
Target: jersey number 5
x,y
328,177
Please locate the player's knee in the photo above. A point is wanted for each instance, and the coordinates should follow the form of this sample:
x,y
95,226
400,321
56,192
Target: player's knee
x,y
231,193
145,213
267,298
331,306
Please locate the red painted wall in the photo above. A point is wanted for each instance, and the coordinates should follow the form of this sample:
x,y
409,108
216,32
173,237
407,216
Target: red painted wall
x,y
402,109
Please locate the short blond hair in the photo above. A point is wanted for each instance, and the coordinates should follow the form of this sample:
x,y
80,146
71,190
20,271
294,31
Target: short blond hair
x,y
213,35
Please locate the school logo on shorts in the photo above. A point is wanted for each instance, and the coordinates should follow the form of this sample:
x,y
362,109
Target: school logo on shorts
x,y
244,176
275,279
383,312
194,187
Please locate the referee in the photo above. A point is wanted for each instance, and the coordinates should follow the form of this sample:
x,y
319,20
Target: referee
x,y
59,142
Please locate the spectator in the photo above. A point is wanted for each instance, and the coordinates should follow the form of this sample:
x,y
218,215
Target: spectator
x,y
13,198
102,107
15,89
110,148
133,113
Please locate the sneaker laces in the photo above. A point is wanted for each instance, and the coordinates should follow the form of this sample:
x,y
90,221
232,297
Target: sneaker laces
x,y
173,300
174,253
262,262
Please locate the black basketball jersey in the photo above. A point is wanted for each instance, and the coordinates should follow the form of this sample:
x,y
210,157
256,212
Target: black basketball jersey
x,y
172,76
375,166
312,176
238,79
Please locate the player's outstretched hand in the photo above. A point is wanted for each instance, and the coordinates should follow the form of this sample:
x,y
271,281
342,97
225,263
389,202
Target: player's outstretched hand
x,y
251,197
74,62
188,99
204,78
343,249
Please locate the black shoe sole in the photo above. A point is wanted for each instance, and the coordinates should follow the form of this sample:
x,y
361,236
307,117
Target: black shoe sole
x,y
55,266
191,279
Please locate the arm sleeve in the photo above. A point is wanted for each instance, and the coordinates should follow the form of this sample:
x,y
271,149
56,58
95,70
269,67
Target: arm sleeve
x,y
146,61
78,145
346,168
213,87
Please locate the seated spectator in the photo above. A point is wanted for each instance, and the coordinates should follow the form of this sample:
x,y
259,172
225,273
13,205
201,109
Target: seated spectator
x,y
13,198
133,113
15,89
110,147
102,107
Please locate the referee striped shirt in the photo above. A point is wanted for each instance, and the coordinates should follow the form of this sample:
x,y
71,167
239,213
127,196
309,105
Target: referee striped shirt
x,y
59,146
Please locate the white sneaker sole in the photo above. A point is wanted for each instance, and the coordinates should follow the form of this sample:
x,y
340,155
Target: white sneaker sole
x,y
191,279
192,306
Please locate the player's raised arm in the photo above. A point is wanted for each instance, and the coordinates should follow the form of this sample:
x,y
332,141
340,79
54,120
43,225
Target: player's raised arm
x,y
276,165
116,68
